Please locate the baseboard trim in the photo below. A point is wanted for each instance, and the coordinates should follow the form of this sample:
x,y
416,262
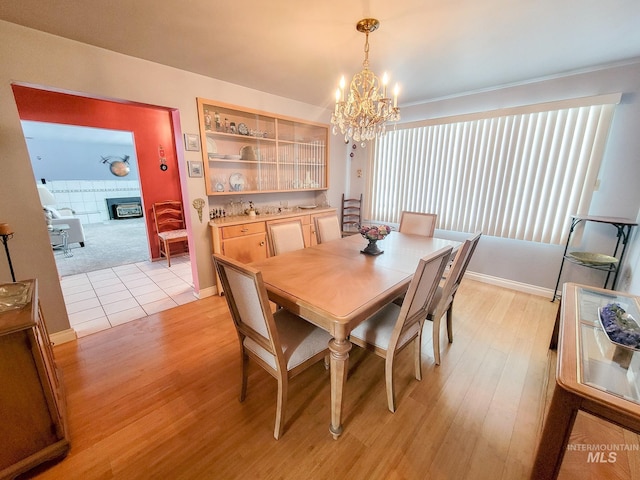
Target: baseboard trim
x,y
510,284
206,292
63,336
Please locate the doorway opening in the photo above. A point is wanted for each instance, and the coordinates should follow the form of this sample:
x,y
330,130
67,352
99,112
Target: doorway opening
x,y
114,295
79,193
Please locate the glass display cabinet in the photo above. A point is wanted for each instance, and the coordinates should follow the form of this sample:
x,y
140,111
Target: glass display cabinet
x,y
248,151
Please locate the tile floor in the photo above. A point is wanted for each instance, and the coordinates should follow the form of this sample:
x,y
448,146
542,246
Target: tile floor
x,y
105,298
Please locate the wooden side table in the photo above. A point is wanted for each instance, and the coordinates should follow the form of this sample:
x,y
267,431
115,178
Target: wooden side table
x,y
592,374
32,400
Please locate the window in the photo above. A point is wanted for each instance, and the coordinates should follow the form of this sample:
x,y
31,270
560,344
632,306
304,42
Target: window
x,y
516,173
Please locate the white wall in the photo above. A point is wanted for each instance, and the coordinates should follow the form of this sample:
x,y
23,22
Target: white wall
x,y
39,59
618,195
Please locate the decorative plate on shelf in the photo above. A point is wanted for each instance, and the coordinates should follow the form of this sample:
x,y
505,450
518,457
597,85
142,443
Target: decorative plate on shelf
x,y
243,129
236,182
211,146
248,153
593,258
620,327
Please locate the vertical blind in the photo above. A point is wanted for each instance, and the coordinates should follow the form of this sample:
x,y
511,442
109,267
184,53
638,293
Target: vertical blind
x,y
515,173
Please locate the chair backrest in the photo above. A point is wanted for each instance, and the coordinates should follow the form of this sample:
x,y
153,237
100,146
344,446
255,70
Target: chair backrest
x,y
420,293
248,302
168,215
327,228
456,272
417,223
285,236
351,214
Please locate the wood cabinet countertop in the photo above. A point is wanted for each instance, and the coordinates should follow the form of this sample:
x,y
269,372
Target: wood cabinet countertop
x,y
243,219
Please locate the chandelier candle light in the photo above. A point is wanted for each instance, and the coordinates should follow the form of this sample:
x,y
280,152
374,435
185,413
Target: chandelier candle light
x,y
362,113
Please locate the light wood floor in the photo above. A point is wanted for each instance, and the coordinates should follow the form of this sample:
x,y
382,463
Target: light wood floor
x,y
158,398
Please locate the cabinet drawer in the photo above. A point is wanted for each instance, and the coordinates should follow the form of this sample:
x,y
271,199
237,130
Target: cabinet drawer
x,y
243,230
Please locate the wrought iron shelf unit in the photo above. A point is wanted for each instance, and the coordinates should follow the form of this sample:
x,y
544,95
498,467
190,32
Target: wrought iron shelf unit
x,y
623,227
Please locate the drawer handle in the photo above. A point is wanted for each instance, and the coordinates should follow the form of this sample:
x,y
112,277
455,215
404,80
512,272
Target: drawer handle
x,y
262,244
244,230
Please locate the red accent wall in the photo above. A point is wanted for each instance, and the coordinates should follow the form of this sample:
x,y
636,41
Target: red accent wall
x,y
151,127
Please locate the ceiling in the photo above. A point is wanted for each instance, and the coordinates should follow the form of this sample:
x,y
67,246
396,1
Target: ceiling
x,y
299,49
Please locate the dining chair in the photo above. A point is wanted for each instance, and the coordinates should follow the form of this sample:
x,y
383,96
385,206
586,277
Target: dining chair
x,y
168,217
351,215
282,343
443,300
417,223
327,228
285,236
394,327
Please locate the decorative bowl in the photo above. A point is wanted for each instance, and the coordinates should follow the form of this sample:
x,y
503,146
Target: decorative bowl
x,y
593,258
620,327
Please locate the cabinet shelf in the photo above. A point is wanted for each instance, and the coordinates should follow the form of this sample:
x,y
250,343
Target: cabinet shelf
x,y
290,154
225,160
237,136
606,268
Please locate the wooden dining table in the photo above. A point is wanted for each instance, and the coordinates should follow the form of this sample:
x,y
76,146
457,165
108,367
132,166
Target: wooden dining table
x,y
336,287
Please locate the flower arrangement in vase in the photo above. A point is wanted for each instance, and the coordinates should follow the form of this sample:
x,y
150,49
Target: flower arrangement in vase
x,y
373,234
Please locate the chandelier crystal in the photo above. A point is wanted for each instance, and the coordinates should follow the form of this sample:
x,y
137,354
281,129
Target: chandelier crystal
x,y
362,113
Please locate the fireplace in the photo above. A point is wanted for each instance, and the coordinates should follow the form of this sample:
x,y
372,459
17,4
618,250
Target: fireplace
x,y
124,207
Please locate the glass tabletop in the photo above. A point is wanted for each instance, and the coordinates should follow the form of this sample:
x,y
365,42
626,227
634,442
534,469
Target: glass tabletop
x,y
605,365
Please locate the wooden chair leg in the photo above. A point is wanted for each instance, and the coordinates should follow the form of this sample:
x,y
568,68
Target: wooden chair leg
x,y
388,374
167,247
244,371
436,338
417,356
283,386
450,323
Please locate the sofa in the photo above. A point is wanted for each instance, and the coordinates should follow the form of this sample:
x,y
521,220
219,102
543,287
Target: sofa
x,y
64,216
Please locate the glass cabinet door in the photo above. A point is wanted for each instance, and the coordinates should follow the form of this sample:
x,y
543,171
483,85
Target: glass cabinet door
x,y
248,151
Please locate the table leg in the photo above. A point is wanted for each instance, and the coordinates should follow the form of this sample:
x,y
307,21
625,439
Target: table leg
x,y
339,348
65,244
555,434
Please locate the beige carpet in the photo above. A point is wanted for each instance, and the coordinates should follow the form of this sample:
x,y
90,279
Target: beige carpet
x,y
110,244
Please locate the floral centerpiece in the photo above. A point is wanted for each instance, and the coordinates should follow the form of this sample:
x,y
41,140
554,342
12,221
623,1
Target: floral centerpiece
x,y
373,234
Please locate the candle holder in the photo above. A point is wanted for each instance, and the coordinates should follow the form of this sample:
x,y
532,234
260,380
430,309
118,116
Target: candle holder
x,y
6,233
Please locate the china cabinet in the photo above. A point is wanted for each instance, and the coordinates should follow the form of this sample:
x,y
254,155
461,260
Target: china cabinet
x,y
31,394
249,151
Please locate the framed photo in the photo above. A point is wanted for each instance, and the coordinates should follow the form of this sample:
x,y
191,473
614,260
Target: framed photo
x,y
195,169
191,142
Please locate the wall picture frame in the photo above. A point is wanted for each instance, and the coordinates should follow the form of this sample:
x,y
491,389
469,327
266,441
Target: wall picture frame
x,y
195,169
191,142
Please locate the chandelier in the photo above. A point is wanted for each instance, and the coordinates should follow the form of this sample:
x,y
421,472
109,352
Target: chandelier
x,y
362,113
